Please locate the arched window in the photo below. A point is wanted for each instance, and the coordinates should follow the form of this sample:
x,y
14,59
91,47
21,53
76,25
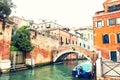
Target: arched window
x,y
118,38
84,45
80,44
61,40
66,41
72,41
105,39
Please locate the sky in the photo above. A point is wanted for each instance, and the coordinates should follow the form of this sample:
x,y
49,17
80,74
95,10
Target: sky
x,y
68,13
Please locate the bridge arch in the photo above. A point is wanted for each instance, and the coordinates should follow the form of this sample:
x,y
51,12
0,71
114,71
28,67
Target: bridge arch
x,y
62,55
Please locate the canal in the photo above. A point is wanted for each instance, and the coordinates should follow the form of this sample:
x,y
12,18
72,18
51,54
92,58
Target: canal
x,y
49,72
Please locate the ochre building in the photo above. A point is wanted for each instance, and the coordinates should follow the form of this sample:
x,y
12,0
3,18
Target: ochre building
x,y
107,30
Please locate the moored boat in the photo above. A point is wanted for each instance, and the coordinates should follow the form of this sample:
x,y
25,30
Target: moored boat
x,y
83,70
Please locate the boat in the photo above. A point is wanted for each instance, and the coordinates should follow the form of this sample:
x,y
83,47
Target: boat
x,y
59,62
83,70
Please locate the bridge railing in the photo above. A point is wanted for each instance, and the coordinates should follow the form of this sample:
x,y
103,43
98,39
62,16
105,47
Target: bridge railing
x,y
110,68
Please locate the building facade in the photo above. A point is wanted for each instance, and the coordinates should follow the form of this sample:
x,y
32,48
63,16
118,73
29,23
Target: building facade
x,y
45,25
46,42
107,30
19,21
85,39
5,41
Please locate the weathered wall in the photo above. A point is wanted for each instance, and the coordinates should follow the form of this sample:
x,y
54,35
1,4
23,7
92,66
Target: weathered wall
x,y
45,44
65,36
112,31
5,41
42,53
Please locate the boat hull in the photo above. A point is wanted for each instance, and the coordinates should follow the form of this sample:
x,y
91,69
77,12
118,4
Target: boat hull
x,y
84,74
83,70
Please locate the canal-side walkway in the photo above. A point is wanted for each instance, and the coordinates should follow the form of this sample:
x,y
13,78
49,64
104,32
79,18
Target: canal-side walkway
x,y
107,69
109,79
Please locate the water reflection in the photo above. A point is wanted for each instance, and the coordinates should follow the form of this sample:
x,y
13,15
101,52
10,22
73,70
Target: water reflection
x,y
50,72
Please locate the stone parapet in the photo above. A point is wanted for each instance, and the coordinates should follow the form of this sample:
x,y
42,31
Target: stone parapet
x,y
5,66
30,62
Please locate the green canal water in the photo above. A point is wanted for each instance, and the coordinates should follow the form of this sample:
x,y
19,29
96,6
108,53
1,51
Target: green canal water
x,y
49,72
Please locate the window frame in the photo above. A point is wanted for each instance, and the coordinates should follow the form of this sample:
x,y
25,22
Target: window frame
x,y
118,38
105,41
113,8
113,58
99,25
118,22
109,23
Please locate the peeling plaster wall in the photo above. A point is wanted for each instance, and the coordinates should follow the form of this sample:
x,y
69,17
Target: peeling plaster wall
x,y
5,41
42,53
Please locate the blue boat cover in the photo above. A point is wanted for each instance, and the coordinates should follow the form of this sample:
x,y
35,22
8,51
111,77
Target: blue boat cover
x,y
87,66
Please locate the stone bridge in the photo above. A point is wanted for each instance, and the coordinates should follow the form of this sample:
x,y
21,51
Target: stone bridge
x,y
65,50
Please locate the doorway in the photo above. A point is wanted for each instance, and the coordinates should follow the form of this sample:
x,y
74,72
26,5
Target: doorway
x,y
113,56
17,57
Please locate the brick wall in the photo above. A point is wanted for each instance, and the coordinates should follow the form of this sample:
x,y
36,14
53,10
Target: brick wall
x,y
5,40
44,45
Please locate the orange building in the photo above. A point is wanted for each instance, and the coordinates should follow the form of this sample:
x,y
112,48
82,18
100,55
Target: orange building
x,y
107,30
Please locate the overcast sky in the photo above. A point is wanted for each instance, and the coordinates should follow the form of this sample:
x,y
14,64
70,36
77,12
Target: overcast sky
x,y
69,13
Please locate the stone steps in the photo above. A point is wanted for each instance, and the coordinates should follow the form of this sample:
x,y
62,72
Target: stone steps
x,y
19,67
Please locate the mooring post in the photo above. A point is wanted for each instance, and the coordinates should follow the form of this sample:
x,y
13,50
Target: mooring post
x,y
76,58
98,66
14,61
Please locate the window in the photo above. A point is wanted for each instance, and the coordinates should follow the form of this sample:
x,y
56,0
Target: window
x,y
48,26
117,21
72,42
17,21
84,45
37,26
113,56
118,38
111,22
118,7
109,8
69,41
41,26
80,44
66,41
88,47
113,8
61,40
33,26
99,23
105,39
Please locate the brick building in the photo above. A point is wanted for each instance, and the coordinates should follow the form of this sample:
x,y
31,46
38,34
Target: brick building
x,y
107,30
5,41
19,21
47,41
